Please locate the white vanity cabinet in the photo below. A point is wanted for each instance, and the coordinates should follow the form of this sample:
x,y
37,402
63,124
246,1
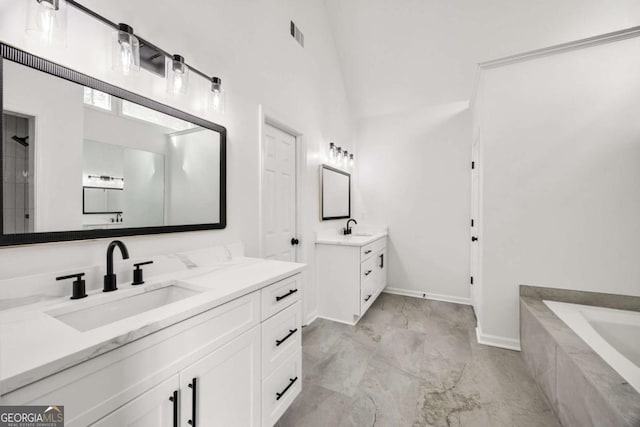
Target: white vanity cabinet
x,y
350,276
211,369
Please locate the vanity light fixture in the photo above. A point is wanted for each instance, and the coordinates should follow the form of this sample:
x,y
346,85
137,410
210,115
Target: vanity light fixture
x,y
129,52
126,50
217,95
339,156
48,20
351,161
177,75
345,159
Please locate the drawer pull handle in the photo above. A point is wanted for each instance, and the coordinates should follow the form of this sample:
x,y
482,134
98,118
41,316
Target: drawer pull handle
x,y
291,292
291,332
367,273
174,399
367,252
291,382
381,260
367,298
194,401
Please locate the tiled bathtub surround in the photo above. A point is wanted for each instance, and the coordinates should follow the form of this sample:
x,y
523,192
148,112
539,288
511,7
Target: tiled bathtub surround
x,y
582,388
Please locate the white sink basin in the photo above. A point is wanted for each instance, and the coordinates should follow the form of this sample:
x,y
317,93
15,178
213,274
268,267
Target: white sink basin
x,y
110,311
362,234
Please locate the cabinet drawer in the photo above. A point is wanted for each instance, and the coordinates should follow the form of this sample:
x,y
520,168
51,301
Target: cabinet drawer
x,y
369,250
281,336
368,269
94,388
281,388
280,295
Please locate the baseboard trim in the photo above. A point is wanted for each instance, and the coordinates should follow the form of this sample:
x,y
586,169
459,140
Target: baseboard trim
x,y
497,341
427,295
335,320
311,318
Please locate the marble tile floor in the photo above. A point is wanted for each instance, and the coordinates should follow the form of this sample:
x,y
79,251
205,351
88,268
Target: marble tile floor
x,y
412,362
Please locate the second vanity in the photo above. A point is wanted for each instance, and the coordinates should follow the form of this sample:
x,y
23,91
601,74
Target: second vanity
x,y
225,350
352,272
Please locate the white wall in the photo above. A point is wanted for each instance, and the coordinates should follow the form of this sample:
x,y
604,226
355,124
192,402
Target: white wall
x,y
413,174
249,46
560,146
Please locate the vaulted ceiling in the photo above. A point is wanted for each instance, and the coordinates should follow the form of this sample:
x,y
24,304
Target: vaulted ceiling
x,y
399,55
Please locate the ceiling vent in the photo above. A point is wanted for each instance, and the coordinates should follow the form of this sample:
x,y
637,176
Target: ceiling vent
x,y
297,34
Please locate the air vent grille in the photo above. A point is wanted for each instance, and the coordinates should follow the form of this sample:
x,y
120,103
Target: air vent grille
x,y
297,34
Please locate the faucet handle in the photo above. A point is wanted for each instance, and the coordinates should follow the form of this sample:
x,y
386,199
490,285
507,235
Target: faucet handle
x,y
79,288
138,278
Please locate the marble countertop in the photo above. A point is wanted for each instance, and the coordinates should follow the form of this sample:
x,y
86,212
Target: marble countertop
x,y
356,239
35,344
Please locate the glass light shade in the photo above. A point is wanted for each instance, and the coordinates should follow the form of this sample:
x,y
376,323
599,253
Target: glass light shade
x,y
177,75
351,161
339,156
47,21
216,100
332,152
125,51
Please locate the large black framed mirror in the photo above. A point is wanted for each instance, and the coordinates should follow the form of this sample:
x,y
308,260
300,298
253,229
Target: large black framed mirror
x,y
83,159
335,193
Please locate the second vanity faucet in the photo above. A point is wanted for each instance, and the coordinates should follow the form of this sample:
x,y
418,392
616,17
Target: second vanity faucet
x,y
347,230
110,283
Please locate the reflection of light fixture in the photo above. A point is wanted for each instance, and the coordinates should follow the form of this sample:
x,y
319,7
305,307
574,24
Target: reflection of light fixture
x,y
177,75
126,50
48,19
332,152
217,95
103,181
351,162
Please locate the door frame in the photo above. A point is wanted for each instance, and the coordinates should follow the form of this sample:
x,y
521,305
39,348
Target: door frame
x,y
476,288
265,116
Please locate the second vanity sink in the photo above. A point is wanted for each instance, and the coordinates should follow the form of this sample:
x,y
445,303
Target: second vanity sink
x,y
94,316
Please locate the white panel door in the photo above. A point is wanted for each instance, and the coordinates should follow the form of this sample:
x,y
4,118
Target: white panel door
x,y
154,408
475,226
226,390
278,194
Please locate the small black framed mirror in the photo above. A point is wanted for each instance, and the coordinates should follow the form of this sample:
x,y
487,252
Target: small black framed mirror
x,y
335,193
83,159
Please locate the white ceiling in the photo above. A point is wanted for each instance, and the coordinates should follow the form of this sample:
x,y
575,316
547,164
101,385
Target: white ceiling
x,y
399,55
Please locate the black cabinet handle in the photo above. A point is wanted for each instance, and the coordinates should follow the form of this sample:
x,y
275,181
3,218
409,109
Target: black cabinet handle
x,y
291,382
368,272
367,298
367,252
194,401
291,292
381,260
174,399
291,332
474,238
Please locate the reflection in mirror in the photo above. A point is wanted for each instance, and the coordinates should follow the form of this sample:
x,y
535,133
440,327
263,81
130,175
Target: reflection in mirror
x,y
76,158
336,193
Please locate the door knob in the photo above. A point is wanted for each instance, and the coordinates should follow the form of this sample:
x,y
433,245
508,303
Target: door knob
x,y
474,238
294,241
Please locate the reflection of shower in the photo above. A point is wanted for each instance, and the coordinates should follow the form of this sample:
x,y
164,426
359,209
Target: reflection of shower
x,y
21,140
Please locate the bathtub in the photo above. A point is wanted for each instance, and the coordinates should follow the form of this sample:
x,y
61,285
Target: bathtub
x,y
613,334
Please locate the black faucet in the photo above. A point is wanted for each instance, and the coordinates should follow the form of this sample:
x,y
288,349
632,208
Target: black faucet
x,y
110,283
347,230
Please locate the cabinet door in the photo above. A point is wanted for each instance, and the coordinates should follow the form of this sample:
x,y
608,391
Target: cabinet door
x,y
154,408
223,388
